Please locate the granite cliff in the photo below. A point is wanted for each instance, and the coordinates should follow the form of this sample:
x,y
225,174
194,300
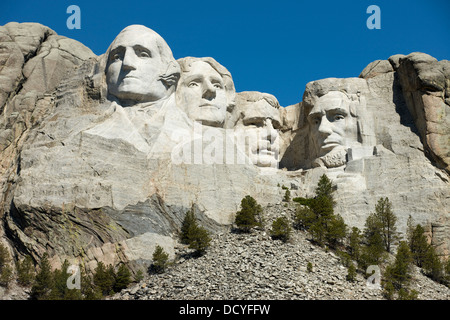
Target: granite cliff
x,y
96,166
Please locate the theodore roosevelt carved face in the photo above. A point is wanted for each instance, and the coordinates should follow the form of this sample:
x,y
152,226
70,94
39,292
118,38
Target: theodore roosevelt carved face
x,y
258,124
205,90
140,66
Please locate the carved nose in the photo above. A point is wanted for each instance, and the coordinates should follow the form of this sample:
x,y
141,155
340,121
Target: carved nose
x,y
209,92
271,133
325,126
128,62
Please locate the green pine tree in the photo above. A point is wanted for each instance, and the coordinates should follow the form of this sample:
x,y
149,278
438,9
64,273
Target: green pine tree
x,y
89,290
336,231
281,229
250,214
200,241
373,250
160,260
354,240
104,278
304,217
398,274
322,207
387,220
25,271
351,273
122,278
188,226
59,287
43,282
418,245
433,266
325,188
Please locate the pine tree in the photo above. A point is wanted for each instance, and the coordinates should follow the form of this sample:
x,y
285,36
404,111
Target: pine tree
x,y
432,265
43,283
304,218
89,290
160,259
351,273
322,207
387,220
372,252
250,214
104,278
418,245
398,275
25,271
188,226
200,241
355,243
122,278
325,188
336,231
281,229
59,287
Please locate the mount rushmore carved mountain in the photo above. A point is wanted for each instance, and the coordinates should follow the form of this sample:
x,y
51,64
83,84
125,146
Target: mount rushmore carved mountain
x,y
101,156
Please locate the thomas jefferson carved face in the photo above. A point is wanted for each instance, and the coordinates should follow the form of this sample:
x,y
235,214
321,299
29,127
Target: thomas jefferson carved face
x,y
332,125
259,124
138,57
205,90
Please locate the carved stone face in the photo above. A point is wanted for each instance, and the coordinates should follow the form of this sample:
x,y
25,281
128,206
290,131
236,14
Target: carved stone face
x,y
201,94
259,127
135,65
331,123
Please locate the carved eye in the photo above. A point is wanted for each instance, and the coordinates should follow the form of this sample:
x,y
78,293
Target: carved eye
x,y
217,85
116,57
255,123
144,54
338,117
192,84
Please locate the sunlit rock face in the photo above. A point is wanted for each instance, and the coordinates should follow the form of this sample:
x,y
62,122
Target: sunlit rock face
x,y
101,156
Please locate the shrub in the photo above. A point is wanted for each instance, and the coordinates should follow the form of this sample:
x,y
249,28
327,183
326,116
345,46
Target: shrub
x,y
281,229
287,195
351,273
200,241
160,260
194,235
250,214
303,218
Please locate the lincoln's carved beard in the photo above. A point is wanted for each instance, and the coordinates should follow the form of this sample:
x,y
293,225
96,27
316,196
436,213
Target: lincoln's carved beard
x,y
335,158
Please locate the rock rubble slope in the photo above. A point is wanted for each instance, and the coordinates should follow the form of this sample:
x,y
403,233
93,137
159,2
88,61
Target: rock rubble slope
x,y
253,266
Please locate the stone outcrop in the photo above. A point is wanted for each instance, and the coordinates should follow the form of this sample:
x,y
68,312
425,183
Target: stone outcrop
x,y
96,166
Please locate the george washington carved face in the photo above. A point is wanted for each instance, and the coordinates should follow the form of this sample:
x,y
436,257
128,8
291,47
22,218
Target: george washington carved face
x,y
139,64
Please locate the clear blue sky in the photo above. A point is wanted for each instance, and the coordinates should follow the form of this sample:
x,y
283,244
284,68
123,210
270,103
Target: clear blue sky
x,y
268,46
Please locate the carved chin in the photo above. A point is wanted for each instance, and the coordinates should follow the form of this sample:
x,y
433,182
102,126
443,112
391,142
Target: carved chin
x,y
335,158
